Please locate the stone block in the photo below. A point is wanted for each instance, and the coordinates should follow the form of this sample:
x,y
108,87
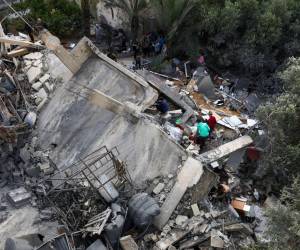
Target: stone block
x,y
34,73
158,188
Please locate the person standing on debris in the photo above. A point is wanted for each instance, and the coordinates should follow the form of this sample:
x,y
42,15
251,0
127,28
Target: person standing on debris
x,y
212,122
162,105
202,133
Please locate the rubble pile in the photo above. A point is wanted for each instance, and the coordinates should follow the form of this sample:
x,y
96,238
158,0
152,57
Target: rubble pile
x,y
208,201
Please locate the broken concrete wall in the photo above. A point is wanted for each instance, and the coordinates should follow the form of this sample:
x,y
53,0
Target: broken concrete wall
x,y
78,127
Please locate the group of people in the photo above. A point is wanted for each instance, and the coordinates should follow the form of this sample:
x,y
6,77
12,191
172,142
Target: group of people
x,y
149,45
204,130
205,127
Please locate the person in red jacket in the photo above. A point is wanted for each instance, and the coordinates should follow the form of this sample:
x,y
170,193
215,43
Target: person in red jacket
x,y
212,122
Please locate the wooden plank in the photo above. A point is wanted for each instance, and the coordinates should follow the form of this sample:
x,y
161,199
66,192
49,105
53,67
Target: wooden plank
x,y
18,52
23,43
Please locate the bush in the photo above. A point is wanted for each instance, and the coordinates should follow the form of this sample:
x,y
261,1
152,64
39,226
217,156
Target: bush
x,y
62,17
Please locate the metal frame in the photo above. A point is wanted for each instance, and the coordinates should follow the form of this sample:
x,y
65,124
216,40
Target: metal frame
x,y
82,183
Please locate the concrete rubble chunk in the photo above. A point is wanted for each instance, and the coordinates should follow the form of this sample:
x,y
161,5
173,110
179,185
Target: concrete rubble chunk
x,y
44,78
42,94
34,73
37,63
97,245
181,219
37,86
18,197
48,87
195,209
33,56
158,188
215,240
189,176
175,236
225,149
128,243
240,228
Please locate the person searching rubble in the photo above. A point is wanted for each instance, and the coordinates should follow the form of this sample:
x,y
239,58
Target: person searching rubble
x,y
202,133
212,122
224,192
162,105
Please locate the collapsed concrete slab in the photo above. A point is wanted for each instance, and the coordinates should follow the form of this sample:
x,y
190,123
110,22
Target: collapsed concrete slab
x,y
189,176
77,126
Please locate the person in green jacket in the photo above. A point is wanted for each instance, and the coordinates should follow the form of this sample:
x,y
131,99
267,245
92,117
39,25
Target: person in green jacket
x,y
202,133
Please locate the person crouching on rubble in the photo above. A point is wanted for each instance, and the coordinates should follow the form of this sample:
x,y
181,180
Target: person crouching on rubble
x,y
202,133
212,122
162,105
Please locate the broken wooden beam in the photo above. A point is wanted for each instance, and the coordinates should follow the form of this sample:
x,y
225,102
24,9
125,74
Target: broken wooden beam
x,y
18,52
225,149
22,43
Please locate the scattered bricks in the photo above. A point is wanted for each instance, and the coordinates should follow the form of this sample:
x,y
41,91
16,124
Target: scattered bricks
x,y
195,209
128,243
33,74
158,188
18,197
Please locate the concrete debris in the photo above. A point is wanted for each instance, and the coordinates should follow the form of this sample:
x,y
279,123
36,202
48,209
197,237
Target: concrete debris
x,y
37,86
33,56
44,78
181,219
34,73
179,191
158,188
128,243
97,245
18,197
195,209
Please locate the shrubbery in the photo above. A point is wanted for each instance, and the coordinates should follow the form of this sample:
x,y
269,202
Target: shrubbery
x,y
62,17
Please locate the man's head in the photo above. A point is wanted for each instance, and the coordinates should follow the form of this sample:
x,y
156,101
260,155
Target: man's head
x,y
210,113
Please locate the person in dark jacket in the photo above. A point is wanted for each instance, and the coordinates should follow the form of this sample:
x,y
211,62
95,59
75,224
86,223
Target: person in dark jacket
x,y
162,105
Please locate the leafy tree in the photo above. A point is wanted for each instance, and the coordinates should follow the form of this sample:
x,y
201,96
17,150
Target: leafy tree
x,y
133,9
282,120
284,220
62,17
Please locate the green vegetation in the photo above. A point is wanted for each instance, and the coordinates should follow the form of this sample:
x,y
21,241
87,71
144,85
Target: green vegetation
x,y
62,17
282,120
285,219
